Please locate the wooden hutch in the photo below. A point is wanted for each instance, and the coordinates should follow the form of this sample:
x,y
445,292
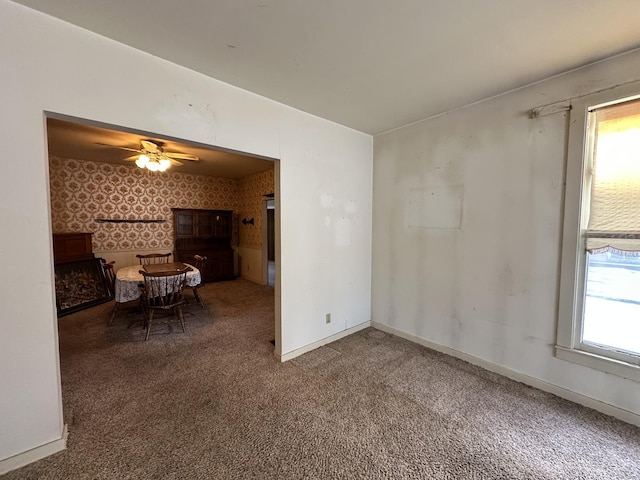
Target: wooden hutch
x,y
208,233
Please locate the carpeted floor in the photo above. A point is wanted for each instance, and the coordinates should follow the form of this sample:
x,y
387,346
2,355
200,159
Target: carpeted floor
x,y
215,404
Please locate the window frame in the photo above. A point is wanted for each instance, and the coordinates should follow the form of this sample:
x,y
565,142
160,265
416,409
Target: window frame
x,y
573,256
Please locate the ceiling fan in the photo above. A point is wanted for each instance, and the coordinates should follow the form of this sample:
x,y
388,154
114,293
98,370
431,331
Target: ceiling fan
x,y
152,156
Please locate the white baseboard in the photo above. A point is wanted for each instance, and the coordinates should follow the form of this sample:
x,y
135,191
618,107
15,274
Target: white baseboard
x,y
624,415
312,346
35,454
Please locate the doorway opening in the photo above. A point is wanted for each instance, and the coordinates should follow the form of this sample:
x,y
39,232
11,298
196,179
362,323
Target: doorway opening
x,y
269,239
95,188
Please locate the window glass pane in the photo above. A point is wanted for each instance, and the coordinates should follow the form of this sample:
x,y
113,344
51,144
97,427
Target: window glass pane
x,y
612,301
611,313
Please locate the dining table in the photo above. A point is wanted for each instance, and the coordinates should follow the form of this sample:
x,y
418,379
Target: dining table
x,y
129,279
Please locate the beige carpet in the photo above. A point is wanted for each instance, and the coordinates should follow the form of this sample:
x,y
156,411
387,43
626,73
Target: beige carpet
x,y
215,404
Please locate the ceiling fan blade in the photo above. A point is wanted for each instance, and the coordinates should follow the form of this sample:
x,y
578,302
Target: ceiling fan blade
x,y
149,146
119,147
132,158
182,156
175,162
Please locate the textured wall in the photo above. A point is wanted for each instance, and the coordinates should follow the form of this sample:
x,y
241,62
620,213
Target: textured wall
x,y
487,287
84,79
250,205
82,191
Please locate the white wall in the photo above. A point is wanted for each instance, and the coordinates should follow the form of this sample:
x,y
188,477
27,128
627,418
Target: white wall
x,y
488,290
48,65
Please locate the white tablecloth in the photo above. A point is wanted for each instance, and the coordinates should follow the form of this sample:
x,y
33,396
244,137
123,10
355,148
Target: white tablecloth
x,y
128,279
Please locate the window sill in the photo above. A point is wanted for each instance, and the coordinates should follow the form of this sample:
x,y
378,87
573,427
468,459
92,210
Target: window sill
x,y
599,362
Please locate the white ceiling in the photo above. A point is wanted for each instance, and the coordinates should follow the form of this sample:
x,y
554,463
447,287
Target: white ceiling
x,y
372,65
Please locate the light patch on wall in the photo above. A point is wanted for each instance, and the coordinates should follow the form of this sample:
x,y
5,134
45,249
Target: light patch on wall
x,y
326,200
343,232
351,207
435,207
185,108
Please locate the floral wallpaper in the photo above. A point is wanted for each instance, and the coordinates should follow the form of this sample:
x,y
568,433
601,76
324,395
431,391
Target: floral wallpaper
x,y
83,191
250,204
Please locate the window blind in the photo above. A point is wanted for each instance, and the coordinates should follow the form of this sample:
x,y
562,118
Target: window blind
x,y
614,207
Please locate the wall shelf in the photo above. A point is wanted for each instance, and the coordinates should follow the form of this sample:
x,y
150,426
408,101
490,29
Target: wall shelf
x,y
121,220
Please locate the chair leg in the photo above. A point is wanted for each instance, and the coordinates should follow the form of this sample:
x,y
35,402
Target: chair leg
x,y
181,317
113,313
197,295
149,324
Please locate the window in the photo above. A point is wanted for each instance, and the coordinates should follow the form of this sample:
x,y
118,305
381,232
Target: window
x,y
599,314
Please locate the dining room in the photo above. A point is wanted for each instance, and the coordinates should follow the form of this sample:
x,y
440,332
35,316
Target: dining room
x,y
97,188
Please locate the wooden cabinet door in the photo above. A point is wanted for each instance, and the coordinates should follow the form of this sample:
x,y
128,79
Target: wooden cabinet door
x,y
208,233
221,265
223,224
185,224
206,224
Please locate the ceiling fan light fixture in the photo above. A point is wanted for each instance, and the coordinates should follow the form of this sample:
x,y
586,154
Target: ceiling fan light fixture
x,y
153,162
152,156
142,161
153,166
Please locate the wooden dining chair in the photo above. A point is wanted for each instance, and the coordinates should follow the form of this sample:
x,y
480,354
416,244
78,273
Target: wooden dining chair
x,y
153,258
110,276
198,262
163,291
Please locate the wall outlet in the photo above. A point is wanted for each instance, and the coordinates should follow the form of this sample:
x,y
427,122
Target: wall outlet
x,y
327,318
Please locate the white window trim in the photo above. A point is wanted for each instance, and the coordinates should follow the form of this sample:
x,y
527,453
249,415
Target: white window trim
x,y
572,267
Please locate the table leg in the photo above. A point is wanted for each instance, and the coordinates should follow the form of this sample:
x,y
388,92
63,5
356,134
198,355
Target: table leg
x,y
113,313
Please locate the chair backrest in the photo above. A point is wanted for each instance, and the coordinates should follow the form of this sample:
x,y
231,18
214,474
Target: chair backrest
x,y
109,275
152,258
164,289
199,261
